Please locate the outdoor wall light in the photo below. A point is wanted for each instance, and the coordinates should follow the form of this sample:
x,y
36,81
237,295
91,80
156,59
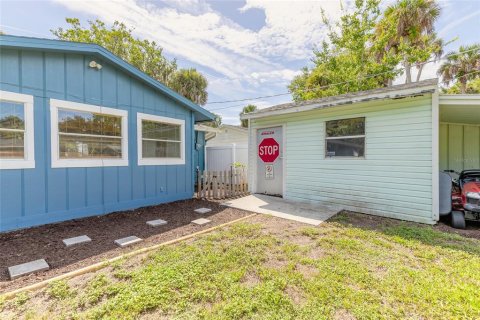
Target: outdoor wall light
x,y
94,64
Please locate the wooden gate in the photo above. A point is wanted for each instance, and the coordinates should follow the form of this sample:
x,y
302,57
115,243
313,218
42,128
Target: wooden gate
x,y
222,184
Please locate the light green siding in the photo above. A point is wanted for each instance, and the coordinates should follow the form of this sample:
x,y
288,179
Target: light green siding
x,y
394,179
459,146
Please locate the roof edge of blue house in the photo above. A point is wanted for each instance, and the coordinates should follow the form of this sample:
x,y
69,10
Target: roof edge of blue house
x,y
19,42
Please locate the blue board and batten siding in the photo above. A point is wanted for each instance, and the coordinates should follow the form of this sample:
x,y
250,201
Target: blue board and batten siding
x,y
44,194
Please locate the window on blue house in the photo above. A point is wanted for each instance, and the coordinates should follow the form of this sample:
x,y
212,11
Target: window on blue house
x,y
160,140
12,130
88,136
345,138
16,131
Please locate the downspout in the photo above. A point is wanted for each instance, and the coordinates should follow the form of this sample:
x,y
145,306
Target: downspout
x,y
192,152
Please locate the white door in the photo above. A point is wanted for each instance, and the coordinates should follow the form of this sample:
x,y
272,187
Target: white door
x,y
270,161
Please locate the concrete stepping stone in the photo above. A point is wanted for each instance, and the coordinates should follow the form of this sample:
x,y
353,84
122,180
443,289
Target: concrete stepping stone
x,y
156,223
123,242
201,221
27,268
76,240
203,210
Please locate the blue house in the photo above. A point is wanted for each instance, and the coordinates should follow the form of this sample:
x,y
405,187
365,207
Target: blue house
x,y
84,133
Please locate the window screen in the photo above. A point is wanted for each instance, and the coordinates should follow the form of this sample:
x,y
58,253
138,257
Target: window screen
x,y
161,140
89,135
12,130
345,138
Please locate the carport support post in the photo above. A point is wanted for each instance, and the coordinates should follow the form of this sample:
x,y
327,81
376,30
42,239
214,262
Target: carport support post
x,y
435,156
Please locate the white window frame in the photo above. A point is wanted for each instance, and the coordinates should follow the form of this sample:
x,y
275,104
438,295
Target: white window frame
x,y
159,161
57,162
364,136
28,162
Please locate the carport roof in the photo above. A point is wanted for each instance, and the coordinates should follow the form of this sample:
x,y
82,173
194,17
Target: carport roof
x,y
460,108
393,92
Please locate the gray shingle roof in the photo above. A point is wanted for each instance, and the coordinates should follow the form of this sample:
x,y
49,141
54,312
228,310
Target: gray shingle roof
x,y
392,92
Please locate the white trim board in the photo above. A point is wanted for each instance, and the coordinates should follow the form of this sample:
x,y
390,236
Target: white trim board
x,y
360,97
28,162
159,161
459,99
83,163
435,156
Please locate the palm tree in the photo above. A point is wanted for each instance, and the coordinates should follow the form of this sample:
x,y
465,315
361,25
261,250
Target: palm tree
x,y
247,109
191,84
407,28
462,66
436,45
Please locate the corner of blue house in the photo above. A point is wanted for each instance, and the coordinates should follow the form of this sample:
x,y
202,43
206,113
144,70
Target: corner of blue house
x,y
199,159
50,69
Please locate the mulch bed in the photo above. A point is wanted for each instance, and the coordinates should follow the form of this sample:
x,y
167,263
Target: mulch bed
x,y
45,242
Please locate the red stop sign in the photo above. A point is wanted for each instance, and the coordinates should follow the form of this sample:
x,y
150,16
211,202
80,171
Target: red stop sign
x,y
268,150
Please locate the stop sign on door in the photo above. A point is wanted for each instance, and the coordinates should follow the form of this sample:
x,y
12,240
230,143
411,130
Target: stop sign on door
x,y
268,150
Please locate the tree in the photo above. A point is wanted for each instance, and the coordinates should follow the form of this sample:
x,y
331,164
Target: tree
x,y
462,66
191,84
216,123
145,55
245,110
406,33
473,87
345,62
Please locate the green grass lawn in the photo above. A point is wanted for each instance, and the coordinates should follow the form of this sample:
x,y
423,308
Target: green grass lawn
x,y
267,268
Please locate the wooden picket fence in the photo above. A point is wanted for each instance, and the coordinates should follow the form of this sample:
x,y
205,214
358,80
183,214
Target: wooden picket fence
x,y
222,184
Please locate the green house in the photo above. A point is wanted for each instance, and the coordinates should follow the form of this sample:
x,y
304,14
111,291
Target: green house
x,y
377,152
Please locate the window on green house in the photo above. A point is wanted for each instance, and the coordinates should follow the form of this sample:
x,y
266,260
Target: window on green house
x,y
345,138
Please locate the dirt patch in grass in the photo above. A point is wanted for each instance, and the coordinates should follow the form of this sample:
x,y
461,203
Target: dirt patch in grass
x,y
275,262
251,279
472,230
295,294
306,270
375,222
343,314
316,253
45,242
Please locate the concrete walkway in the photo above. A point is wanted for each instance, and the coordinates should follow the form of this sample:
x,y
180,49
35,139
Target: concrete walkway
x,y
281,208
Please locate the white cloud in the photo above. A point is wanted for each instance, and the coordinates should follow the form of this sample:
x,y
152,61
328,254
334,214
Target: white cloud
x,y
292,27
238,62
194,31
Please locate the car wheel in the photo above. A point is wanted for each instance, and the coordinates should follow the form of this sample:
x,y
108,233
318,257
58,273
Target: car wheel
x,y
458,220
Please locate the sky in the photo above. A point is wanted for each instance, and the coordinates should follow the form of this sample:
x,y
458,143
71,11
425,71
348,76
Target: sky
x,y
246,49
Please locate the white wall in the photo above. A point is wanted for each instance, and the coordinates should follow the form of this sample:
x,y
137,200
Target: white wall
x,y
459,146
228,136
220,158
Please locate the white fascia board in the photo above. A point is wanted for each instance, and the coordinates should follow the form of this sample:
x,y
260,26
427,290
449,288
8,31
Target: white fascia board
x,y
341,102
459,99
